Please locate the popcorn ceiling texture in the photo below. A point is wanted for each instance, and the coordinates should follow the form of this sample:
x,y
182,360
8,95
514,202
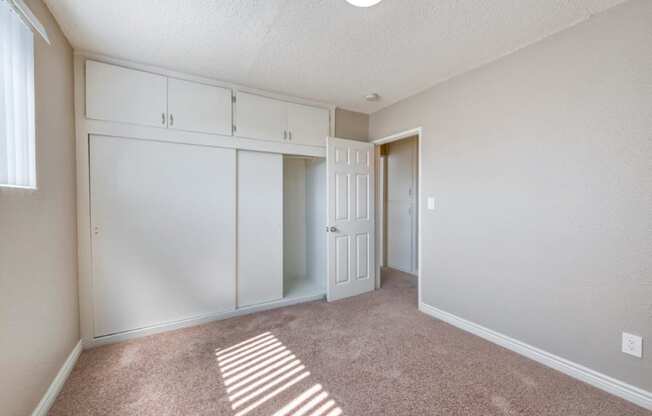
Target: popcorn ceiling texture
x,y
326,50
373,354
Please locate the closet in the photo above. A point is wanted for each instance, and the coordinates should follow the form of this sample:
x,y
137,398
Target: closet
x,y
281,224
183,231
180,224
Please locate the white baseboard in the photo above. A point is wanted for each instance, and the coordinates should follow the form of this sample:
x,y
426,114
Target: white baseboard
x,y
400,269
199,320
611,385
51,394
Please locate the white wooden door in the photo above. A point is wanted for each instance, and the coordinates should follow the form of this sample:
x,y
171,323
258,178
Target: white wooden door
x,y
350,202
258,117
124,95
163,232
199,107
260,227
307,124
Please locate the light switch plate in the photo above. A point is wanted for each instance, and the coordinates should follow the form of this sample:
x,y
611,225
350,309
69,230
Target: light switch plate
x,y
633,345
431,203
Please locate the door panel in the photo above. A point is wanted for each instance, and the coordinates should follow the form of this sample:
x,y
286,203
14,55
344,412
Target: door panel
x,y
124,95
342,260
259,117
163,242
362,197
350,176
260,227
307,124
362,256
342,196
199,107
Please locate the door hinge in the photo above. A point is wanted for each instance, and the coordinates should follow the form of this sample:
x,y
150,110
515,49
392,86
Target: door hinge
x,y
235,128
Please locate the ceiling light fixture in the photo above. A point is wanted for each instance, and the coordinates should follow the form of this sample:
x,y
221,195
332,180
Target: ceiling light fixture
x,y
363,3
372,97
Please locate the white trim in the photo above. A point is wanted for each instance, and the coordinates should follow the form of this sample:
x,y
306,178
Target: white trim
x,y
380,207
30,18
402,270
51,394
601,381
27,187
400,135
417,131
130,131
199,320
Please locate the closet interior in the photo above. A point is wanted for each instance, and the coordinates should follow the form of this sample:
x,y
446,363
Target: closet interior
x,y
304,223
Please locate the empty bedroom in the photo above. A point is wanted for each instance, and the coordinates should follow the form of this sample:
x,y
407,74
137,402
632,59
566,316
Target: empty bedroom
x,y
326,207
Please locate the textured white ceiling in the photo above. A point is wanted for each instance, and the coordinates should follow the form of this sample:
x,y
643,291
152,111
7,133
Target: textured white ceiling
x,y
324,50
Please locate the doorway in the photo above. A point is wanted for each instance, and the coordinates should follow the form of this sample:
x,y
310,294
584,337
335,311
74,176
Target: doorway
x,y
398,162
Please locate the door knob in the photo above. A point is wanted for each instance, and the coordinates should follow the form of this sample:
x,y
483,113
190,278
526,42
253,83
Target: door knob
x,y
332,229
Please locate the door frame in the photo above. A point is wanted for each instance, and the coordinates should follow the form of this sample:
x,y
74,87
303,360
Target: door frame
x,y
380,210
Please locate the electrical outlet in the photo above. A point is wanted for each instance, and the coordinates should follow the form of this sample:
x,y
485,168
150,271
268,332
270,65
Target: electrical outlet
x,y
633,345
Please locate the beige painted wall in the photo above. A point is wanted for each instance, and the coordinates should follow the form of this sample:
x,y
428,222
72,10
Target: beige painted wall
x,y
351,125
541,164
39,319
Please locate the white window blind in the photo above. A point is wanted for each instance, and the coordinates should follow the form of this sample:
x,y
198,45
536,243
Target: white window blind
x,y
17,128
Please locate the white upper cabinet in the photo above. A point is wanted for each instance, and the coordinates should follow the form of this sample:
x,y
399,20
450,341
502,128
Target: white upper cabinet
x,y
114,93
264,118
198,107
307,124
258,117
123,95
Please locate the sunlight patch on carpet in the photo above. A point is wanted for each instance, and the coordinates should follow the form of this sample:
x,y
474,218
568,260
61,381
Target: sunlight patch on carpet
x,y
258,370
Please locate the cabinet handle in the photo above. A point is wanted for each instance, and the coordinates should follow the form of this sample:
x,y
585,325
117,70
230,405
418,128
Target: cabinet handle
x,y
163,118
289,135
171,120
285,134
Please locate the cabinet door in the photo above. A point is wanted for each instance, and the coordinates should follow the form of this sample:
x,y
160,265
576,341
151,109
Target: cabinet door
x,y
307,124
260,227
199,107
260,117
163,242
124,95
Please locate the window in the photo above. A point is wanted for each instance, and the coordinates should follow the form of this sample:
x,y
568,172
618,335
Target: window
x,y
17,128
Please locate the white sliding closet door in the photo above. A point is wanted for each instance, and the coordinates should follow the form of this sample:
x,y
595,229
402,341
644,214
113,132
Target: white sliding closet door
x,y
163,224
260,227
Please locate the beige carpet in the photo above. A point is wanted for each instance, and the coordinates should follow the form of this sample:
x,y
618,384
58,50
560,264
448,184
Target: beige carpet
x,y
371,355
